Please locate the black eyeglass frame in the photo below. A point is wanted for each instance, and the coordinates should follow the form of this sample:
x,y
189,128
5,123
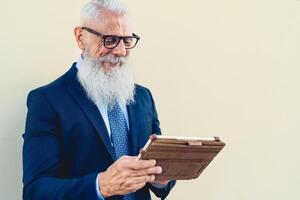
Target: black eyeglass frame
x,y
103,37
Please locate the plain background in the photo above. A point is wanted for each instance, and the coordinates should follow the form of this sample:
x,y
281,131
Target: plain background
x,y
216,68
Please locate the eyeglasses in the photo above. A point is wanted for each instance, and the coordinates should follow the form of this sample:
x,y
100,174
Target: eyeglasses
x,y
111,41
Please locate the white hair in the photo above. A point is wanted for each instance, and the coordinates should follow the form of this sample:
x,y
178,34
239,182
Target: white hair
x,y
92,10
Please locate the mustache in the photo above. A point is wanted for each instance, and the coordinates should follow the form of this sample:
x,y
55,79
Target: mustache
x,y
113,59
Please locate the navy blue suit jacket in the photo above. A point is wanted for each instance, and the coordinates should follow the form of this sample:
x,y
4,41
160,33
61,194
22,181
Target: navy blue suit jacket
x,y
66,143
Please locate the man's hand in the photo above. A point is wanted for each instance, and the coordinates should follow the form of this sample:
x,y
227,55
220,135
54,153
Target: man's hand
x,y
127,175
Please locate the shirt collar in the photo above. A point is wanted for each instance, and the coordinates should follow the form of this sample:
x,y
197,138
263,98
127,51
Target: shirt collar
x,y
79,62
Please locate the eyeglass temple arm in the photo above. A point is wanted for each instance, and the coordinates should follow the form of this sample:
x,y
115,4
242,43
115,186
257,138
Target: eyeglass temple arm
x,y
92,31
136,36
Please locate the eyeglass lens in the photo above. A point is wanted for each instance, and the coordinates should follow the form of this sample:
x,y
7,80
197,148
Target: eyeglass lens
x,y
113,41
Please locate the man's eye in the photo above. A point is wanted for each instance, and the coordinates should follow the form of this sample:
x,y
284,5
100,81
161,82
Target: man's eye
x,y
111,40
128,41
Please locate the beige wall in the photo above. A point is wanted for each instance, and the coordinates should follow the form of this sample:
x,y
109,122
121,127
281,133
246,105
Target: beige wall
x,y
226,68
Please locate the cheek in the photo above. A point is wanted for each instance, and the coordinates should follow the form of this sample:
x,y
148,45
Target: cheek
x,y
98,51
102,51
94,51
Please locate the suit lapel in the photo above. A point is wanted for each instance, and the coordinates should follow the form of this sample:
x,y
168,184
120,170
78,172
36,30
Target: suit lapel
x,y
134,126
90,110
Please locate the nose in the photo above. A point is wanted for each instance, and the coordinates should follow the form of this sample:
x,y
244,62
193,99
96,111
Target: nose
x,y
119,50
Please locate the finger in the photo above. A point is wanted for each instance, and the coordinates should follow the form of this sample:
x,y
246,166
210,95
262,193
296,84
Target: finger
x,y
125,157
136,187
138,180
143,179
138,164
148,171
143,164
133,184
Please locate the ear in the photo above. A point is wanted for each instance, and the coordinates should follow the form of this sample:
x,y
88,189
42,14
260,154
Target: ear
x,y
79,37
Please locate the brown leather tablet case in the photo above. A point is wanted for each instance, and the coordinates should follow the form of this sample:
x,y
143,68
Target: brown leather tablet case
x,y
181,158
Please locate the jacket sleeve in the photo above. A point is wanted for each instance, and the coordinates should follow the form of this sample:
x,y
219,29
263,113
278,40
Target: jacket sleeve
x,y
164,191
41,157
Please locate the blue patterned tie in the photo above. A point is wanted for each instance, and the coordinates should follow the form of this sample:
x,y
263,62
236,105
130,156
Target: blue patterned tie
x,y
119,136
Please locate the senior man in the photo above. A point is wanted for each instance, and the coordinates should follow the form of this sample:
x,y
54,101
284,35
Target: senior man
x,y
84,130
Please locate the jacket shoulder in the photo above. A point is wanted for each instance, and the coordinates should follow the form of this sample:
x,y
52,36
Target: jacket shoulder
x,y
141,90
143,94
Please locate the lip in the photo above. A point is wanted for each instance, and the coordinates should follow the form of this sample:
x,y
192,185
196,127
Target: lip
x,y
110,64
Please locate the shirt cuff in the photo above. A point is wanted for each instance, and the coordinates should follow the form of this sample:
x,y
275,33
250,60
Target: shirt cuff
x,y
100,197
158,185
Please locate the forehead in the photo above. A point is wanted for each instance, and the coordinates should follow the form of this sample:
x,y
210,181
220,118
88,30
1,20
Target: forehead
x,y
111,23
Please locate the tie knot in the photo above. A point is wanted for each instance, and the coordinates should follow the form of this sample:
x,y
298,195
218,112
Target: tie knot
x,y
114,111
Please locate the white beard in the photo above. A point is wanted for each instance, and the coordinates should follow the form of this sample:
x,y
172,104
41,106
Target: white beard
x,y
106,87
